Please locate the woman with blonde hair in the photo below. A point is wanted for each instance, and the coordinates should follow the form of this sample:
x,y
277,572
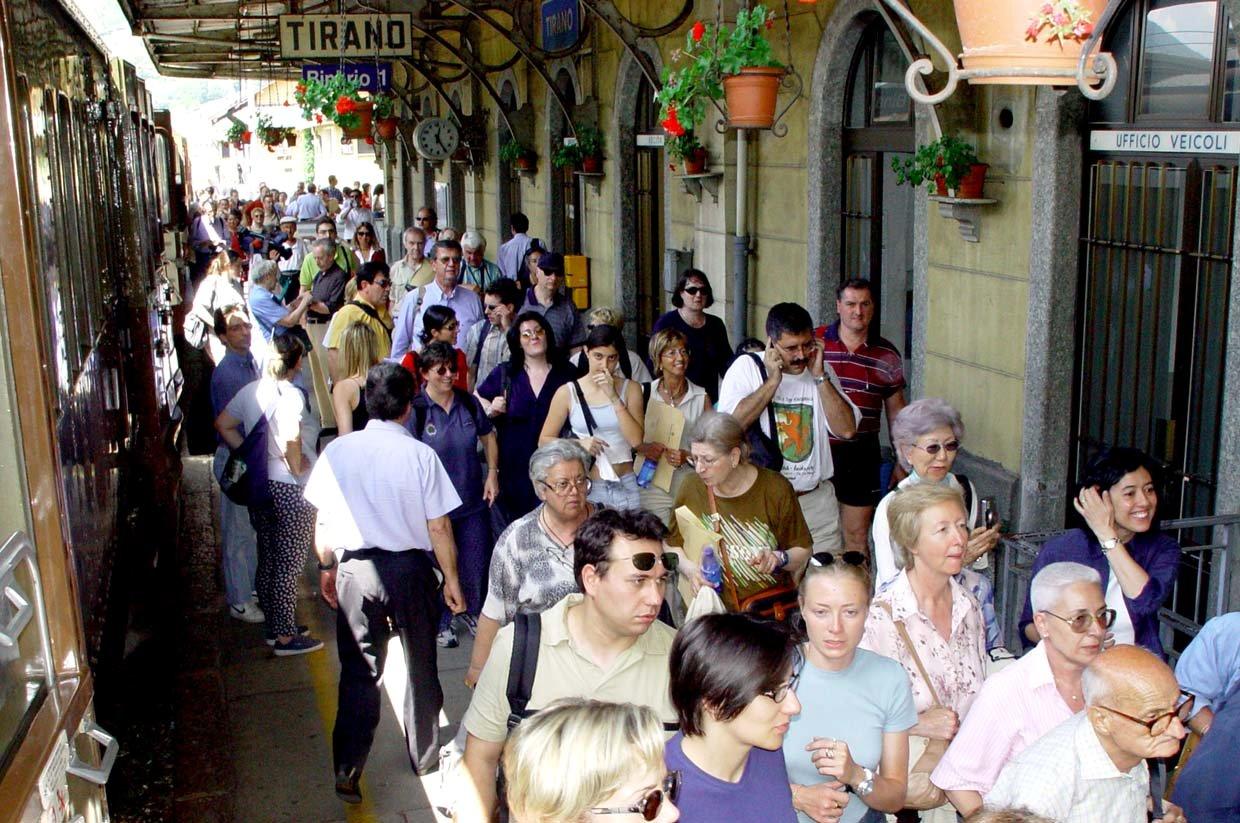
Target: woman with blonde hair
x,y
585,760
359,350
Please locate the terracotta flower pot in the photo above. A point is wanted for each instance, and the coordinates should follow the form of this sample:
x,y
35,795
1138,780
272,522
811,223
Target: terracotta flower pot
x,y
695,161
386,127
291,139
940,185
751,95
246,135
971,184
525,162
365,112
993,33
592,164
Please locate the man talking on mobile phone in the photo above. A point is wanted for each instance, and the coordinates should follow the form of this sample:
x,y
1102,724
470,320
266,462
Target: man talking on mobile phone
x,y
808,405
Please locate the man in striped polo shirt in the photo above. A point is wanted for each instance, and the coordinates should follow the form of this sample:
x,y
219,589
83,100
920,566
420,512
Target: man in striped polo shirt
x,y
871,372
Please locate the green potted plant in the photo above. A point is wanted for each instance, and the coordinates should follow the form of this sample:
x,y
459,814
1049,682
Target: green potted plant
x,y
946,163
688,150
268,134
386,121
337,98
735,64
586,152
518,155
238,133
290,137
567,156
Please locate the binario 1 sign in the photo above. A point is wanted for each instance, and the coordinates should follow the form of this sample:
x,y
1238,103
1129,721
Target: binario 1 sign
x,y
357,36
1166,142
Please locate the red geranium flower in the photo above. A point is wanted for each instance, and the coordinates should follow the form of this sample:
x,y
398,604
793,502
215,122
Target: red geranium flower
x,y
370,141
345,104
318,118
300,88
699,30
770,23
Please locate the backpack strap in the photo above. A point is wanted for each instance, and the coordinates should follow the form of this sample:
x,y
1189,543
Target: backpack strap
x,y
370,312
770,407
585,408
484,331
523,666
966,487
646,394
420,411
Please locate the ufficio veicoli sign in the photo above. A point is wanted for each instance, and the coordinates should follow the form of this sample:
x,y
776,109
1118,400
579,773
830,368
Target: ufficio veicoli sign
x,y
357,36
1166,142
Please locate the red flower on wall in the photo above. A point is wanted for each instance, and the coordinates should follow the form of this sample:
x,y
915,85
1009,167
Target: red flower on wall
x,y
671,124
699,30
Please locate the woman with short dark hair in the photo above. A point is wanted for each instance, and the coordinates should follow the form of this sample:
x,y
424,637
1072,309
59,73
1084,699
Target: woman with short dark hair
x,y
710,353
1121,541
439,324
733,685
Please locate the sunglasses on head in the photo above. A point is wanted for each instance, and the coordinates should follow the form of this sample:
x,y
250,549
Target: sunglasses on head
x,y
934,448
694,290
852,558
644,561
652,803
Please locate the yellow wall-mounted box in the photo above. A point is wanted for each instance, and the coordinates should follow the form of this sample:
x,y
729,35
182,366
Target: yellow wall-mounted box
x,y
581,297
577,271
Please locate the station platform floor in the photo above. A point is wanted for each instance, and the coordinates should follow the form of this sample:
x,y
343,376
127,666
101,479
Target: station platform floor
x,y
253,731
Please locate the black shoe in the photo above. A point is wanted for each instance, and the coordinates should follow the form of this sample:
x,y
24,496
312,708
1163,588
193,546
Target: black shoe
x,y
347,788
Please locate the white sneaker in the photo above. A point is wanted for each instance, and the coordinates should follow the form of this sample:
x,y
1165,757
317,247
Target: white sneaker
x,y
250,613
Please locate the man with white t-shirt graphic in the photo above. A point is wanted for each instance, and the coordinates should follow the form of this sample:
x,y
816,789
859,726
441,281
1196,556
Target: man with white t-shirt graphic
x,y
808,404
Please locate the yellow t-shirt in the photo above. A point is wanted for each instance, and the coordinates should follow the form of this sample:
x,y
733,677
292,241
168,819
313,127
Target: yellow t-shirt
x,y
353,314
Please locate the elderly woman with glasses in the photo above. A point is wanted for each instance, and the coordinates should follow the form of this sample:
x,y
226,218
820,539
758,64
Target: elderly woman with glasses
x,y
1122,541
758,513
847,751
927,434
517,396
705,334
931,625
733,683
670,354
532,564
1024,701
585,760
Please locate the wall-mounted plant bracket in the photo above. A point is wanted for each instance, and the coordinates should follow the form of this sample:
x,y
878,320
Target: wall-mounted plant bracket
x,y
693,184
791,82
967,212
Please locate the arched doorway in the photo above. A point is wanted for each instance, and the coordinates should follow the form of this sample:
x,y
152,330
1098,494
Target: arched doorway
x,y
876,214
647,246
564,193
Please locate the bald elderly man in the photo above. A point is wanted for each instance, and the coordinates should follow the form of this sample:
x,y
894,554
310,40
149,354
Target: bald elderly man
x,y
1091,767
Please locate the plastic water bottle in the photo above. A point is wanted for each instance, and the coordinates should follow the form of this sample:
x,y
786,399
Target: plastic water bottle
x,y
712,572
646,474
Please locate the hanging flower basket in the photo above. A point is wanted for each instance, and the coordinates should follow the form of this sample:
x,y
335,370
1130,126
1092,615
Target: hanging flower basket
x,y
364,110
751,97
290,137
1031,34
386,127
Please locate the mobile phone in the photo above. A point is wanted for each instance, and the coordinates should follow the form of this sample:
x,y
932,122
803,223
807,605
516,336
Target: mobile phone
x,y
989,512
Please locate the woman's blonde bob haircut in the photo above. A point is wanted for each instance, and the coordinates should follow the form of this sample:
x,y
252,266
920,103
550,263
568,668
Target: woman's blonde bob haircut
x,y
359,350
574,754
661,341
904,515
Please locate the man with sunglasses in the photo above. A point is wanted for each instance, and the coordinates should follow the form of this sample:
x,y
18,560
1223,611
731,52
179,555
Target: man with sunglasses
x,y
605,643
369,307
1092,767
1019,704
809,407
444,290
486,345
428,221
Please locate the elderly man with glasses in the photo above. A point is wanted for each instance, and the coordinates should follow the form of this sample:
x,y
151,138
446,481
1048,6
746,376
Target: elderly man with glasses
x,y
1092,766
444,290
477,273
1024,701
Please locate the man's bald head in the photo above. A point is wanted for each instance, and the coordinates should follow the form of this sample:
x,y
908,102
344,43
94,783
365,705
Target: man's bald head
x,y
1132,698
1127,676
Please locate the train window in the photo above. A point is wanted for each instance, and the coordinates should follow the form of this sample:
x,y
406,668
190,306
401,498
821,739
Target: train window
x,y
163,163
86,225
61,304
71,203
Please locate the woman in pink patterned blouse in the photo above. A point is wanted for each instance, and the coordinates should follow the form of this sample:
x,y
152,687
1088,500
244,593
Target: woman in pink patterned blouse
x,y
941,618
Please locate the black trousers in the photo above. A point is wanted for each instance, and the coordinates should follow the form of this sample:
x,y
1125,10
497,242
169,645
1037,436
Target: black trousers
x,y
381,592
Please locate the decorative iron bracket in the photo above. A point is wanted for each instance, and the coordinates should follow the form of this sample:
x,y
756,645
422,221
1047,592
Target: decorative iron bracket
x,y
628,33
1104,68
791,81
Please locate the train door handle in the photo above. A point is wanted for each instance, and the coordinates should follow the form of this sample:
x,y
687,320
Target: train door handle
x,y
24,611
111,748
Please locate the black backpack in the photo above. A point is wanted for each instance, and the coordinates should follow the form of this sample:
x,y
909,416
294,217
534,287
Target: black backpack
x,y
421,407
763,448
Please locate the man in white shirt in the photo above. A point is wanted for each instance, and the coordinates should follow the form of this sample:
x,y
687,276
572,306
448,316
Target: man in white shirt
x,y
308,206
383,500
443,290
1091,767
807,402
511,256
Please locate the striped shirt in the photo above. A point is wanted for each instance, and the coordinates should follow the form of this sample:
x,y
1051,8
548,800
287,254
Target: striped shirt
x,y
869,375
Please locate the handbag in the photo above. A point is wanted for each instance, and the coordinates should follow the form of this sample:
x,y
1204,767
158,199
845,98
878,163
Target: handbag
x,y
764,448
196,326
924,752
244,479
776,601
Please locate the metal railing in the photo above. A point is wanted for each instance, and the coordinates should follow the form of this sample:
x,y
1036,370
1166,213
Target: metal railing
x,y
1201,591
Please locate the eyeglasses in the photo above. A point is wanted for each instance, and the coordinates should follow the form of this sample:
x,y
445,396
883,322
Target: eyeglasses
x,y
800,348
362,234
1160,724
852,558
455,261
383,284
675,353
650,805
934,448
701,461
453,326
562,486
420,219
695,290
644,561
780,693
1081,621
443,369
488,308
530,334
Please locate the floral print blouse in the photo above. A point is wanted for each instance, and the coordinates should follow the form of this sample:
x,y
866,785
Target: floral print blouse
x,y
956,666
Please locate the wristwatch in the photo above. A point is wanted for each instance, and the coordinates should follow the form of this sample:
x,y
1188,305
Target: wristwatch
x,y
1107,545
820,379
867,785
328,567
782,557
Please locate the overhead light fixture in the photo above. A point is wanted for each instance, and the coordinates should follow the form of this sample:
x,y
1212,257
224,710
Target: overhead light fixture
x,y
1018,42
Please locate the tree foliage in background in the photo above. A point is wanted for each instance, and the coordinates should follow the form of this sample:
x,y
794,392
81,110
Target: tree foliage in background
x,y
307,153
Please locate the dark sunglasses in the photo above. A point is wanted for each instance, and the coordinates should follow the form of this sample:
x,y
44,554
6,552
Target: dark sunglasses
x,y
852,558
1081,621
362,234
644,561
445,369
934,448
695,290
650,805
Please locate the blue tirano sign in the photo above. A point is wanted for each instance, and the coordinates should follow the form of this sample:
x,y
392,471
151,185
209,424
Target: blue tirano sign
x,y
561,24
373,76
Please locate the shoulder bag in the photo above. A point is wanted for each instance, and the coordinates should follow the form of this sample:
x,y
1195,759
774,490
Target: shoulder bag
x,y
924,752
763,448
244,479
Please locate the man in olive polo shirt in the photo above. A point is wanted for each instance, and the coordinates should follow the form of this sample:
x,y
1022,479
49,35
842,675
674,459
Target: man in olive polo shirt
x,y
370,308
325,229
605,644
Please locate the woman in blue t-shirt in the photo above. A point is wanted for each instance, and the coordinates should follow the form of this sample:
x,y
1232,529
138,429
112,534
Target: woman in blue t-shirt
x,y
732,683
848,748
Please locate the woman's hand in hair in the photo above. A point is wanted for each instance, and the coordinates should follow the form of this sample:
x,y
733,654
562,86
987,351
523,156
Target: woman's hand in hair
x,y
1096,508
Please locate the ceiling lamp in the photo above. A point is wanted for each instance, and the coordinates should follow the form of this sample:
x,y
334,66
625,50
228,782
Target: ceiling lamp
x,y
1019,42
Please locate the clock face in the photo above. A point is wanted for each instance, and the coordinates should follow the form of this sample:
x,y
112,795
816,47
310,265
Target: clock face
x,y
436,138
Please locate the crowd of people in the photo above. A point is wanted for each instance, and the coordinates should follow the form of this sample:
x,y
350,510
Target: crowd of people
x,y
502,464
